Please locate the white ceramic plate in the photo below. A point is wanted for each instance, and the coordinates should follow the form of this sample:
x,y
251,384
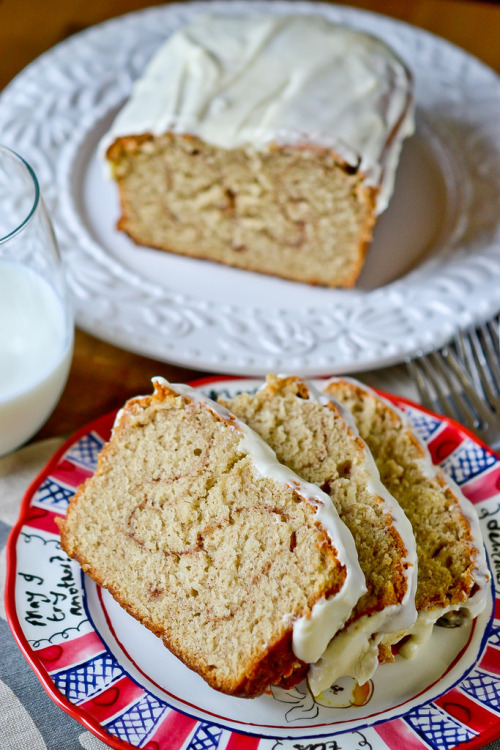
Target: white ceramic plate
x,y
434,264
115,677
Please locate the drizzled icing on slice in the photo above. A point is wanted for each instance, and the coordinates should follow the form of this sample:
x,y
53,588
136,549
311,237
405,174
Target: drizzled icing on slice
x,y
404,615
421,631
354,651
312,632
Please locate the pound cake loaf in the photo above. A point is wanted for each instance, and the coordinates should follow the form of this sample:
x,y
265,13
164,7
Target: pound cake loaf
x,y
243,569
452,571
313,435
265,142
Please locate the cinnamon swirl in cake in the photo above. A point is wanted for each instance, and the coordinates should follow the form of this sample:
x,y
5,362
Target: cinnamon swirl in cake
x,y
266,142
313,435
242,568
453,576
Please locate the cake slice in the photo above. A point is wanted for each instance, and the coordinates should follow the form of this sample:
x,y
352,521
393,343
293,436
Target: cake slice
x,y
314,436
452,572
266,142
243,569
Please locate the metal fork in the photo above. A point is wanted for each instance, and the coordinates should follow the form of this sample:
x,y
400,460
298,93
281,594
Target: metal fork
x,y
462,380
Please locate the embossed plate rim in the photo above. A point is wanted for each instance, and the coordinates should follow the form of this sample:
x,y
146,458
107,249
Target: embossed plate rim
x,y
355,333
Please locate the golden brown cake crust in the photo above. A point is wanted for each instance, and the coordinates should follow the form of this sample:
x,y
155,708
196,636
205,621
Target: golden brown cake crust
x,y
445,548
109,530
270,213
278,664
314,440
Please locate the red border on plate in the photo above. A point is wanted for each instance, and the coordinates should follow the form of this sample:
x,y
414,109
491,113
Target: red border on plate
x,y
10,604
219,718
12,618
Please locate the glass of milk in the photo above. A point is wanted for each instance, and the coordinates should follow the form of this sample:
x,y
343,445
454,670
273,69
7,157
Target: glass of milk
x,y
36,322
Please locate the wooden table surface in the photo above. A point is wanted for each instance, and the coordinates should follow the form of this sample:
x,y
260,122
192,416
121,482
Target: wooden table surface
x,y
103,376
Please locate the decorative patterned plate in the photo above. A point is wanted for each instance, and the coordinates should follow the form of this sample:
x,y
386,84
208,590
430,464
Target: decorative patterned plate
x,y
115,677
435,261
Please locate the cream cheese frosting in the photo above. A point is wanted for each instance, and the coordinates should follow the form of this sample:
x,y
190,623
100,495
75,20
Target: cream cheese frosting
x,y
250,81
311,632
354,651
419,633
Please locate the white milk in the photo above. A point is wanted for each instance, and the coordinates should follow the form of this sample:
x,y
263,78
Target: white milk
x,y
35,353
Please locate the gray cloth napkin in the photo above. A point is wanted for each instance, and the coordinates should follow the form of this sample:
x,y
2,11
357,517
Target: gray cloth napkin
x,y
29,720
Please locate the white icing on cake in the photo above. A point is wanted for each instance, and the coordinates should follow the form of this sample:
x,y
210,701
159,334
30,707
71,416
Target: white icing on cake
x,y
354,651
249,81
420,632
311,633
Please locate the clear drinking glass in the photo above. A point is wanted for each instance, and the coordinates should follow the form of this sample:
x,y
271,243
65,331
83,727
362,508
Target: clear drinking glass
x,y
36,322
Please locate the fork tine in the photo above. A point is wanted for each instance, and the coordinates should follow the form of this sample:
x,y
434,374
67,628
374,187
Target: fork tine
x,y
440,381
493,328
431,391
484,413
462,380
461,406
424,391
491,351
478,351
463,343
480,363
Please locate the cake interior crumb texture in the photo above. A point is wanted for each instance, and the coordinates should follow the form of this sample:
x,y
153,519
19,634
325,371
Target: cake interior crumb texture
x,y
314,440
446,556
294,212
265,142
214,558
